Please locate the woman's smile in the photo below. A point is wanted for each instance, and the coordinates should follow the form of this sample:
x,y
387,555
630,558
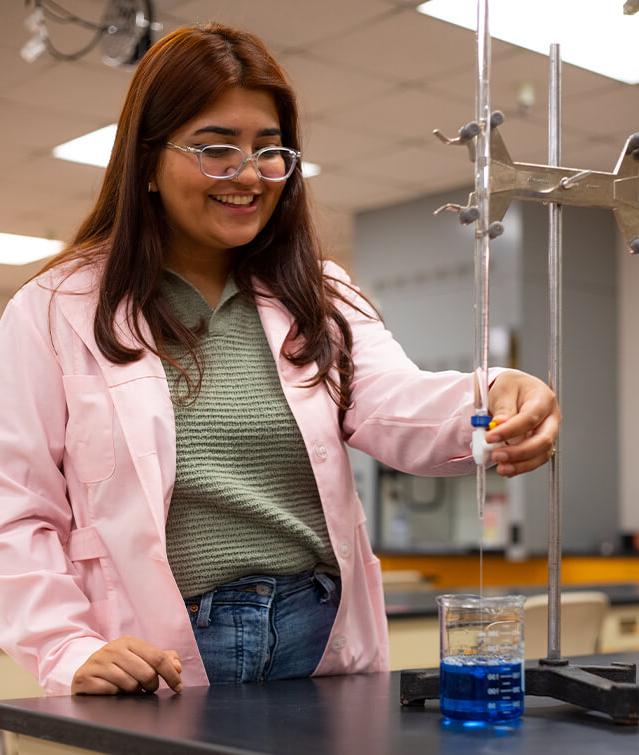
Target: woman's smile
x,y
237,204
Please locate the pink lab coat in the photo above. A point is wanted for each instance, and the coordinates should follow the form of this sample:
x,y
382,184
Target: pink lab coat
x,y
87,451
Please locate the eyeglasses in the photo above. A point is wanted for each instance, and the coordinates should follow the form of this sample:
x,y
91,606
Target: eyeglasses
x,y
226,161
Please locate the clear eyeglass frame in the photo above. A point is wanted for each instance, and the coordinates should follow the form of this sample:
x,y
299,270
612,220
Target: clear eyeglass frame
x,y
253,159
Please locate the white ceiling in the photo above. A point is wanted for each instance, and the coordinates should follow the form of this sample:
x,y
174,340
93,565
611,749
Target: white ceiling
x,y
374,79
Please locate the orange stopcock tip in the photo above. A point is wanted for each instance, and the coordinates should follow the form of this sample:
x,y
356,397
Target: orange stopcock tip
x,y
493,423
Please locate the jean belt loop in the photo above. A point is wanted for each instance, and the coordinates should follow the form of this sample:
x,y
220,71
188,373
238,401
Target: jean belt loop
x,y
327,583
204,614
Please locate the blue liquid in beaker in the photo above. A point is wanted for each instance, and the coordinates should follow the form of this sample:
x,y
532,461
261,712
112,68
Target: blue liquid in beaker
x,y
481,689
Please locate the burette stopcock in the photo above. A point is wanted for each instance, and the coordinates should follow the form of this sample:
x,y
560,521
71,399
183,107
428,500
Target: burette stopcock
x,y
479,447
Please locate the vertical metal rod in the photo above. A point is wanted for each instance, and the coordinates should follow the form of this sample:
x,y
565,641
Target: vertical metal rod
x,y
554,358
482,250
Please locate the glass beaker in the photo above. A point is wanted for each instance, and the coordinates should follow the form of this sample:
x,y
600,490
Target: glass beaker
x,y
481,676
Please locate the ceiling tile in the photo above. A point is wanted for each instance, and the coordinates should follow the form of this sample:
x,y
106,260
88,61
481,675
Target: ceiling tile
x,y
27,213
527,143
324,88
39,128
331,146
286,24
521,67
406,114
65,179
406,46
591,104
14,71
76,88
526,139
592,155
347,192
43,215
613,112
14,32
169,5
416,167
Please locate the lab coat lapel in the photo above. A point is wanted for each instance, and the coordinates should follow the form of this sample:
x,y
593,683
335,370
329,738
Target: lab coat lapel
x,y
277,321
278,324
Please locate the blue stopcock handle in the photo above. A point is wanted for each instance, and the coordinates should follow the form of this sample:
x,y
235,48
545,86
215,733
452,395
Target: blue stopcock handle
x,y
481,420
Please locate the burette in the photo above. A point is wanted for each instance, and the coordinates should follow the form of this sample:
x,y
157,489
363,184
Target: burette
x,y
481,419
476,136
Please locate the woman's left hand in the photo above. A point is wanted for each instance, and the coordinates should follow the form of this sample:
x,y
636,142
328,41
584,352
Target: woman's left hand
x,y
528,415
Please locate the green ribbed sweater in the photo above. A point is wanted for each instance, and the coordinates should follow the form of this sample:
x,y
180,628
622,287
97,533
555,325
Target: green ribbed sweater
x,y
245,499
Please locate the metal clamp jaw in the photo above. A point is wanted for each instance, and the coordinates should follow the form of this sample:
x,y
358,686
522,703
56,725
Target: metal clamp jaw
x,y
468,132
466,137
469,214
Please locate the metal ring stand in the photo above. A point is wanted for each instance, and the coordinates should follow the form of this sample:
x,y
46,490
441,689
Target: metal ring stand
x,y
609,689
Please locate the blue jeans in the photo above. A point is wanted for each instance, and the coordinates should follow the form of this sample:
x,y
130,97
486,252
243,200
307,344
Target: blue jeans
x,y
260,628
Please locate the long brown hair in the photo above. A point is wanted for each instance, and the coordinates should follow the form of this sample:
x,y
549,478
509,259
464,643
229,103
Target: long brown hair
x,y
127,230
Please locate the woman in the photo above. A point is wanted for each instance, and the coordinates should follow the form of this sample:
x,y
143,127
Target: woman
x,y
177,502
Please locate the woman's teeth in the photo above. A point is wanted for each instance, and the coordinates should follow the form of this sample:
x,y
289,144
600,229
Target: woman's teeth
x,y
240,199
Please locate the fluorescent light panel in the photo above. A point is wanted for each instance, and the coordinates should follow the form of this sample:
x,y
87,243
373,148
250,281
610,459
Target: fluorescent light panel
x,y
593,34
20,250
95,148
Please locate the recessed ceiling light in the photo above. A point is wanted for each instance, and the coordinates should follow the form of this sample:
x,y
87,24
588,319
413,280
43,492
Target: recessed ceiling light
x,y
93,148
20,250
592,34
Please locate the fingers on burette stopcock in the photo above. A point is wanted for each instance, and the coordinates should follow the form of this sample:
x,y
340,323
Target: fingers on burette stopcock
x,y
526,419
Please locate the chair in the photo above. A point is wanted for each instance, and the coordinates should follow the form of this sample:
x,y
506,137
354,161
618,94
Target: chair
x,y
582,616
403,579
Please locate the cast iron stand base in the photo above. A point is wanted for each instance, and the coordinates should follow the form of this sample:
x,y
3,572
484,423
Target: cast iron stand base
x,y
608,689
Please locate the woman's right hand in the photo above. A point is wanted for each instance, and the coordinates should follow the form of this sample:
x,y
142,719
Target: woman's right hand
x,y
127,664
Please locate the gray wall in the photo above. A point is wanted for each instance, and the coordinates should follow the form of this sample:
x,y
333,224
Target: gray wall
x,y
419,270
628,403
589,442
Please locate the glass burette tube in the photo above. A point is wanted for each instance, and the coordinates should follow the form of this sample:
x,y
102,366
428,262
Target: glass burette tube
x,y
481,416
482,241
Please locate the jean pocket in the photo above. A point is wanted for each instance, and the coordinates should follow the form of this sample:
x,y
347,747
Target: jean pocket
x,y
329,586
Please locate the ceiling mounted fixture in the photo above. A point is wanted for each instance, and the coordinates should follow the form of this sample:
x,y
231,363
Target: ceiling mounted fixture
x,y
124,33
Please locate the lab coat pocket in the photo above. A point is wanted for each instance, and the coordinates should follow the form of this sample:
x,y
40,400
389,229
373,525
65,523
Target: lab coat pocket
x,y
89,436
